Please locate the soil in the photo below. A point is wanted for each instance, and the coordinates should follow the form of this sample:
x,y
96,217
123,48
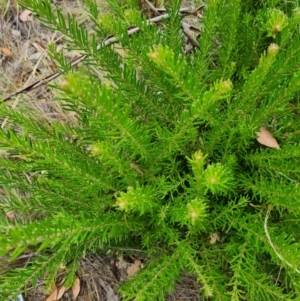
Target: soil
x,y
24,59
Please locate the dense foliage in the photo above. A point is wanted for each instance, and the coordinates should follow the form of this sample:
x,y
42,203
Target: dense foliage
x,y
164,155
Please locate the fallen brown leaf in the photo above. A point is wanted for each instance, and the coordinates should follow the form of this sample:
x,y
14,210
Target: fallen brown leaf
x,y
39,48
214,237
10,215
76,288
53,295
53,68
24,15
121,263
6,51
134,268
136,167
266,138
60,292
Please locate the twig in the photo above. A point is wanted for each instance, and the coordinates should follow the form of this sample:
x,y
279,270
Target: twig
x,y
107,42
194,12
153,8
187,28
188,32
272,245
16,102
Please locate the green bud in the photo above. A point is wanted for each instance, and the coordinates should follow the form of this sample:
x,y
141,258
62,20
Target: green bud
x,y
122,202
130,188
139,199
70,84
125,201
276,21
105,21
198,156
197,163
196,211
223,87
197,160
161,55
131,15
218,179
98,149
273,49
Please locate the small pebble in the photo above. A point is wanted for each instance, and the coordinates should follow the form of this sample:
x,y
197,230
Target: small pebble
x,y
16,33
19,298
35,56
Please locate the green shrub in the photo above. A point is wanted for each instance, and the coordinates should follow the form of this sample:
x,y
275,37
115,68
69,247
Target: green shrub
x,y
164,157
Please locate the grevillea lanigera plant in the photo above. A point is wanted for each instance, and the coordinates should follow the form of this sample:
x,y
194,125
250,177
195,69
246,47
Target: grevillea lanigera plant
x,y
164,156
